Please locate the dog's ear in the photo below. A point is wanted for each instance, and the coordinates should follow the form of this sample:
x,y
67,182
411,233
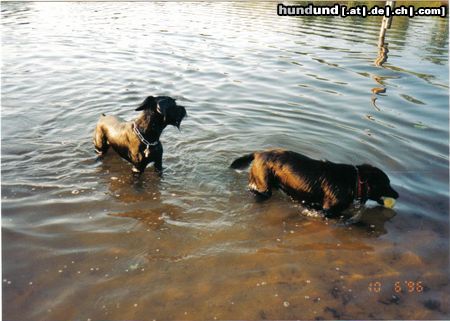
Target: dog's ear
x,y
148,103
172,113
179,117
164,104
367,171
373,174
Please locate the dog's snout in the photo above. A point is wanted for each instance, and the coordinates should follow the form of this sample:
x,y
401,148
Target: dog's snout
x,y
393,193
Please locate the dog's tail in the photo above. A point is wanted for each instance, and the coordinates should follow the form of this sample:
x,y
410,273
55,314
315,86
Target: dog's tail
x,y
242,162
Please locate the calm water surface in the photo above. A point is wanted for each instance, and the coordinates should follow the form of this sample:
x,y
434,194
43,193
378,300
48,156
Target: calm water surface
x,y
85,240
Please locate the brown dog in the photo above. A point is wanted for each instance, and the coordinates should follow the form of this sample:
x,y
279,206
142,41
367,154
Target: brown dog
x,y
138,141
319,184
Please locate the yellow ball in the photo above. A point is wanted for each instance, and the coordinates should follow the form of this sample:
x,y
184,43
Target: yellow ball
x,y
389,202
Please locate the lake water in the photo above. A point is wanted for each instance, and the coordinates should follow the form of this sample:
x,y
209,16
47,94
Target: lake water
x,y
84,240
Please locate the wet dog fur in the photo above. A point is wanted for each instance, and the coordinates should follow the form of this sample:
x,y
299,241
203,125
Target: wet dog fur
x,y
321,185
157,113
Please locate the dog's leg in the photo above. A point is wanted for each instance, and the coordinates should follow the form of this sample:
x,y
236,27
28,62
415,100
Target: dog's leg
x,y
158,163
329,213
332,209
158,166
100,141
136,170
356,217
259,182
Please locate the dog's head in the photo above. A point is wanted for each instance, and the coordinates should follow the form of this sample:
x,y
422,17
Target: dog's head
x,y
172,114
378,183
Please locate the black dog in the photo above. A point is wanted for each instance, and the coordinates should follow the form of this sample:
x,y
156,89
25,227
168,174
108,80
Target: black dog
x,y
138,141
321,185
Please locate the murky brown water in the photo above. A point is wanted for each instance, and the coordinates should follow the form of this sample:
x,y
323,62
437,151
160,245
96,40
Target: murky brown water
x,y
85,240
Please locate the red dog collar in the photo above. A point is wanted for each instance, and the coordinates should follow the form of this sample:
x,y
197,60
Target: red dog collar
x,y
361,192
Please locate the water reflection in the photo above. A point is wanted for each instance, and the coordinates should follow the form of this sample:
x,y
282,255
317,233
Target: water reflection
x,y
382,56
373,221
382,53
437,42
154,218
